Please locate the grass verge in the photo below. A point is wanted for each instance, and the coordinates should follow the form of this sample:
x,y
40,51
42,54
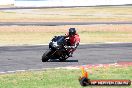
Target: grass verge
x,y
62,78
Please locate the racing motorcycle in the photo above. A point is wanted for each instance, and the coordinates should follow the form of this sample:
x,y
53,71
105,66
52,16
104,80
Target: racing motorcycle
x,y
57,49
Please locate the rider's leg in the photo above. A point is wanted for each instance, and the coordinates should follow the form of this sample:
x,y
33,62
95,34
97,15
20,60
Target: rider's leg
x,y
70,52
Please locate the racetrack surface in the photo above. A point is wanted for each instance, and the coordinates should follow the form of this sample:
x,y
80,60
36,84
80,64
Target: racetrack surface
x,y
14,58
58,23
12,8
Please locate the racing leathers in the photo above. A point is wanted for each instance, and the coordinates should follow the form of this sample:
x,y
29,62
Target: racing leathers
x,y
73,42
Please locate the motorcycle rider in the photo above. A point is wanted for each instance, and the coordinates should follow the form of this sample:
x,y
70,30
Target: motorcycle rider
x,y
73,41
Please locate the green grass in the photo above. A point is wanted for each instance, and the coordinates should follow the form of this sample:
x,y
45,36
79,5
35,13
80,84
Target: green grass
x,y
61,78
20,38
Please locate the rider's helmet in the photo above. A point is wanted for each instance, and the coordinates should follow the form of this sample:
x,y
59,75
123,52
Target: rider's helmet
x,y
72,31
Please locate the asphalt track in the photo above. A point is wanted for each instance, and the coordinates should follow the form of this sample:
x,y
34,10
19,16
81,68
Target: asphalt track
x,y
58,23
45,7
14,58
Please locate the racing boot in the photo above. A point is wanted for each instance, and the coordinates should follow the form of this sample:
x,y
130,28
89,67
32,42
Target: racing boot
x,y
70,54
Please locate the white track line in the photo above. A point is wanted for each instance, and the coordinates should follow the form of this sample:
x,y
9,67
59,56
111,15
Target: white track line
x,y
80,44
70,67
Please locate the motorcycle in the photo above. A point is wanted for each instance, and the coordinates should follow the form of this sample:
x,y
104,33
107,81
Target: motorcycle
x,y
57,49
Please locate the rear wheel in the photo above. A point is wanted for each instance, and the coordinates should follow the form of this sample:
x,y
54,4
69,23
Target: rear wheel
x,y
63,58
45,56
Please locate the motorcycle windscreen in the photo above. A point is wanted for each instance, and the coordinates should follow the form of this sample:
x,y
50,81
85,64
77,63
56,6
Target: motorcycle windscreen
x,y
59,40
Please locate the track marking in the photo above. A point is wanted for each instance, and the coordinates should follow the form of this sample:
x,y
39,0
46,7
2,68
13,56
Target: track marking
x,y
119,64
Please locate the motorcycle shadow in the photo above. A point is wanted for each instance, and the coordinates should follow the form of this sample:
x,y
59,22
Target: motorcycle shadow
x,y
54,60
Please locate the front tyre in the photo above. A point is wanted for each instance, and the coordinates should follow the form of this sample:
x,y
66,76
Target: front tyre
x,y
45,56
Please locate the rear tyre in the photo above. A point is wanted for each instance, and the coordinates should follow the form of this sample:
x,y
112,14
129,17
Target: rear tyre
x,y
45,56
62,59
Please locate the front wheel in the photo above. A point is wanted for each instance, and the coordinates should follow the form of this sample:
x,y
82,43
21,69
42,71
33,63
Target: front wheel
x,y
45,56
